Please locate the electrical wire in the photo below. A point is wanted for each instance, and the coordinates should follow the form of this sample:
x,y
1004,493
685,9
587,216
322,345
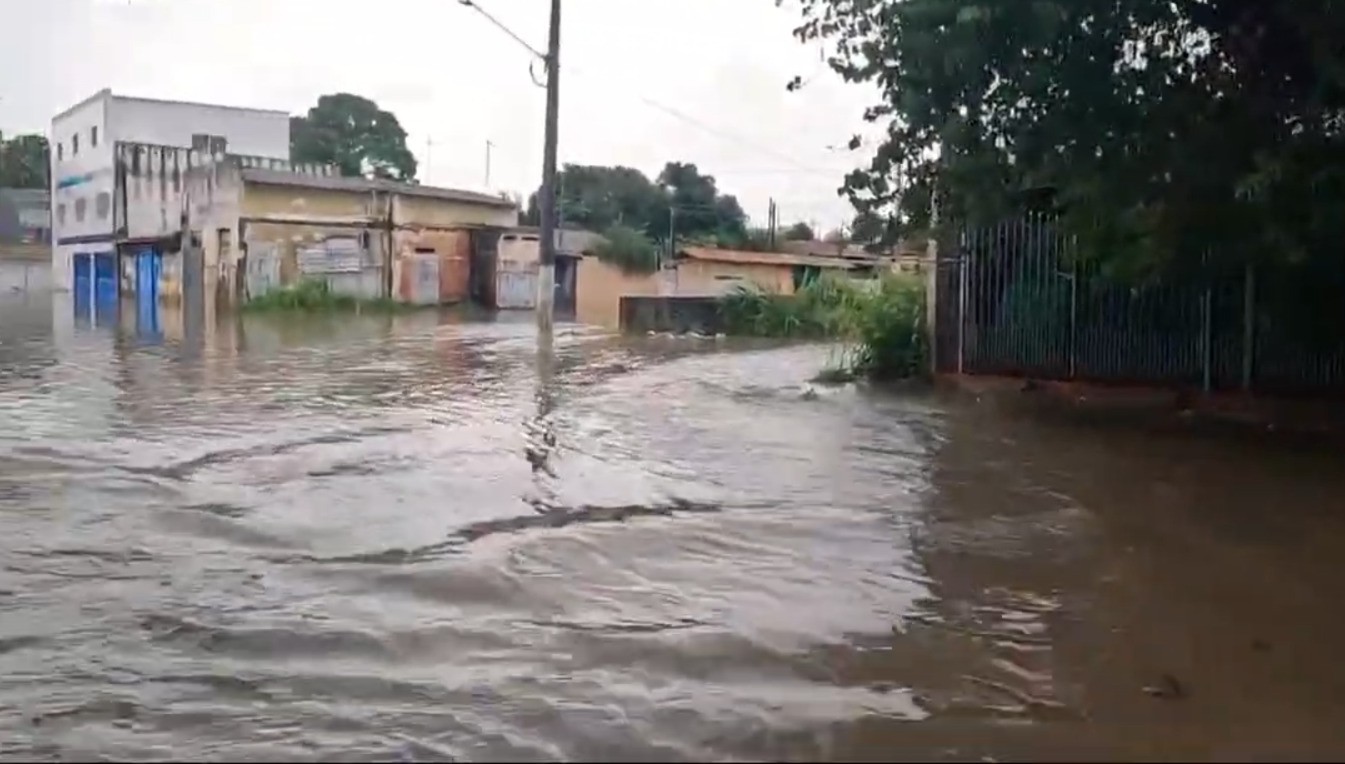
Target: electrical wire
x,y
650,102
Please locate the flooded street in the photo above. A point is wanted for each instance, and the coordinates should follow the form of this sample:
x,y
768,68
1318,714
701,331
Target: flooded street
x,y
409,538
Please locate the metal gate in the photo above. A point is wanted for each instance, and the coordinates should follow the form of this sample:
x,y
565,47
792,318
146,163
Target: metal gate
x,y
516,289
148,267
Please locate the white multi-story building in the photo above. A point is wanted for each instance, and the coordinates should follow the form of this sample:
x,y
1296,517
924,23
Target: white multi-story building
x,y
83,167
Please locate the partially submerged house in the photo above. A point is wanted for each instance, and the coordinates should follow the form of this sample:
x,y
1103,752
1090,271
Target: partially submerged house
x,y
710,271
205,225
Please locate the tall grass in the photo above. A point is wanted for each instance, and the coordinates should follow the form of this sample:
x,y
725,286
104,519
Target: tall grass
x,y
314,296
880,323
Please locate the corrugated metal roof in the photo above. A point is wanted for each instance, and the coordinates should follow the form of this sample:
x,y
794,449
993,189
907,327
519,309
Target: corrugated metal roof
x,y
362,185
764,258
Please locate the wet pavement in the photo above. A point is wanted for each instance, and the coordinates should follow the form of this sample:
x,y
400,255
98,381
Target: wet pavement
x,y
414,538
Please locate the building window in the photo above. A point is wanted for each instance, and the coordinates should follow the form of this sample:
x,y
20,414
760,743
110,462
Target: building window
x,y
102,205
81,207
74,145
60,213
60,151
93,136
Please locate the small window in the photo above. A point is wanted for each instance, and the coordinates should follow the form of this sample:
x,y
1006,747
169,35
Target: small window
x,y
93,136
60,151
74,145
81,207
60,213
102,205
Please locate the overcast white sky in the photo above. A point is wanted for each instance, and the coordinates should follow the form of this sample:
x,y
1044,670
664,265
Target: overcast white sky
x,y
452,78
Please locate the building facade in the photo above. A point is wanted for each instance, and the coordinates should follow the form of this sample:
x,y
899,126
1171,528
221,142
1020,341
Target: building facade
x,y
83,168
203,229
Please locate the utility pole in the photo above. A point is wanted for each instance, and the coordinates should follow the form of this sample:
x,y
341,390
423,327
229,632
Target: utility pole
x,y
429,150
546,270
672,234
488,147
771,222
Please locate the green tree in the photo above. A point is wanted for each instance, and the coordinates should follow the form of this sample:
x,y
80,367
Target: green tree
x,y
598,198
628,248
799,232
1161,128
24,161
354,134
701,210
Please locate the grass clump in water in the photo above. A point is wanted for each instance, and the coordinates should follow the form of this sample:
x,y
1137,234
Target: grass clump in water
x,y
317,296
880,323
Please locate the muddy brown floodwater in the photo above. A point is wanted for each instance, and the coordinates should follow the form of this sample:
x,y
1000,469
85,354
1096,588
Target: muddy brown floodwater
x,y
411,538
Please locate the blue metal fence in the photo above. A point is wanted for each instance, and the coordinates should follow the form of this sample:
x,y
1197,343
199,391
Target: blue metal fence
x,y
1017,299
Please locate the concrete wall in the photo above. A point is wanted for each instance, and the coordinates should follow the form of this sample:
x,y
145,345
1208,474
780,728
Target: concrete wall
x,y
518,247
173,123
24,276
443,213
676,314
599,288
708,277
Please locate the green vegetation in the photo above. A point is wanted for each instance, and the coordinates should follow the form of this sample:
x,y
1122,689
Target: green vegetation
x,y
23,161
354,134
317,297
1160,129
628,249
880,323
597,198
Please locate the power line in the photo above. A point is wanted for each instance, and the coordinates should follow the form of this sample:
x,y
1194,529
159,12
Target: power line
x,y
669,110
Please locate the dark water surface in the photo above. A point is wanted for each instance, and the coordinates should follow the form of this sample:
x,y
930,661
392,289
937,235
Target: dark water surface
x,y
412,538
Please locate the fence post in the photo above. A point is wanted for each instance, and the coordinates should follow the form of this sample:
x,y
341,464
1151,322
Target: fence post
x,y
1248,326
932,303
1072,351
962,275
1206,336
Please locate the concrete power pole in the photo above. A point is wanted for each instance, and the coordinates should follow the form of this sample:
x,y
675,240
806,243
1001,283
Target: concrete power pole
x,y
546,271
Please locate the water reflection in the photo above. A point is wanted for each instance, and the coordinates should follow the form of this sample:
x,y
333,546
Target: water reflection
x,y
417,537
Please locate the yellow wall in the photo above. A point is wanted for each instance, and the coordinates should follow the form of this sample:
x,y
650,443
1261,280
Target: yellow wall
x,y
428,211
599,288
260,200
286,239
698,277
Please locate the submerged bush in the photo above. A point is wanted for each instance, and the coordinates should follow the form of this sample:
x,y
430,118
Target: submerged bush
x,y
314,296
881,323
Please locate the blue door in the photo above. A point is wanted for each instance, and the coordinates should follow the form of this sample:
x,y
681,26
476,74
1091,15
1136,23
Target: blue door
x,y
82,284
105,288
148,264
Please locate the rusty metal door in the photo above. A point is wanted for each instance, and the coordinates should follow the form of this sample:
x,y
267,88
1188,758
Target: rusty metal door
x,y
422,286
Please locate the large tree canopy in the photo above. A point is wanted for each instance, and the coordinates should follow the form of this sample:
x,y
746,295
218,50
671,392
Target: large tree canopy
x,y
1161,128
598,198
24,160
352,133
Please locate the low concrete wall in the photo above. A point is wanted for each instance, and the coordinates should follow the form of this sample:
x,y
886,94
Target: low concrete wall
x,y
25,276
672,314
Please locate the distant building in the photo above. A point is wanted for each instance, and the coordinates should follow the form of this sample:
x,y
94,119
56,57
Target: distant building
x,y
25,216
84,168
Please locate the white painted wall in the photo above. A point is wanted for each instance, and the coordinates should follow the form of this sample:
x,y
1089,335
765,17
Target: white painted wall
x,y
82,179
171,123
88,174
